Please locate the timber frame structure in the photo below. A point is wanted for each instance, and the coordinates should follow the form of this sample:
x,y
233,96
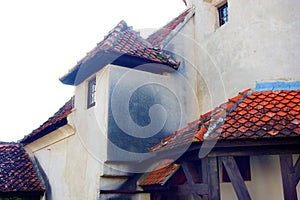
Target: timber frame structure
x,y
202,174
251,124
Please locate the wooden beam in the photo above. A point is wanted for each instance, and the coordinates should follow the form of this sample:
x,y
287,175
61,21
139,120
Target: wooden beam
x,y
204,176
213,179
192,154
297,172
253,151
235,178
189,179
199,188
287,171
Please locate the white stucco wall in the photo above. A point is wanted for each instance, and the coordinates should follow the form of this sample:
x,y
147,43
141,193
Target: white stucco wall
x,y
259,43
168,94
72,156
91,123
71,172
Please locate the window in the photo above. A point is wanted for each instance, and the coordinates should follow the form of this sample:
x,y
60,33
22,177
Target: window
x,y
223,14
243,163
91,100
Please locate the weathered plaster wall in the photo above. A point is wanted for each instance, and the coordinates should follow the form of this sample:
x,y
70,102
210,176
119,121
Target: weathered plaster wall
x,y
260,42
72,156
184,46
145,107
91,123
71,172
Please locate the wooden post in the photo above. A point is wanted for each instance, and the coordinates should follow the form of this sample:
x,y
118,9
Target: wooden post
x,y
287,174
236,178
213,179
204,177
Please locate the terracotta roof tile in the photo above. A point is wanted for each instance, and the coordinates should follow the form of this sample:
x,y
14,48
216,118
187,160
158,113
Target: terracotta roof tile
x,y
160,174
16,170
53,123
124,40
158,37
269,116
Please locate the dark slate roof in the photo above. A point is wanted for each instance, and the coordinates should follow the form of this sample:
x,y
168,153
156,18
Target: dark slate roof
x,y
16,170
124,40
58,120
160,36
249,115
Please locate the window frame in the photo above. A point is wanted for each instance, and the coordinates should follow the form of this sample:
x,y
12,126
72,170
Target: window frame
x,y
91,93
220,9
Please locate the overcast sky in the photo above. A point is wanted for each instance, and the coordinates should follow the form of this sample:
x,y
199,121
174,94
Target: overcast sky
x,y
41,40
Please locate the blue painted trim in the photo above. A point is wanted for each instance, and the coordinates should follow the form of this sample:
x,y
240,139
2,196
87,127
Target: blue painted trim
x,y
277,86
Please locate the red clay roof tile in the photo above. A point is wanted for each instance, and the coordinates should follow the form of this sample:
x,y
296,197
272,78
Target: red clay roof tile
x,y
246,119
16,170
157,38
55,121
124,40
160,174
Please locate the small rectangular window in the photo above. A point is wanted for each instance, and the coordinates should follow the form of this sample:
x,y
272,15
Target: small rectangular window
x,y
223,14
243,163
91,100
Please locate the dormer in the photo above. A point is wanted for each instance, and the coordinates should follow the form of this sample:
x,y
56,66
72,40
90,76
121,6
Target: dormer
x,y
128,96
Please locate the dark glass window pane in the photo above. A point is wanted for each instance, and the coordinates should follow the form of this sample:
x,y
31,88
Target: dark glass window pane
x,y
91,100
223,14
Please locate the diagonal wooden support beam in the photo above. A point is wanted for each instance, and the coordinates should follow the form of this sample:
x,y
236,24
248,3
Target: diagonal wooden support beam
x,y
189,179
288,178
235,178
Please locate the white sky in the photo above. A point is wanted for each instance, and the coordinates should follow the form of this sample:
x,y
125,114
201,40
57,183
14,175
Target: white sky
x,y
41,40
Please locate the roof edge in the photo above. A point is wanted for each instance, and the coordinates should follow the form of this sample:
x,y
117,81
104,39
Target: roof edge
x,y
180,26
278,85
58,120
218,113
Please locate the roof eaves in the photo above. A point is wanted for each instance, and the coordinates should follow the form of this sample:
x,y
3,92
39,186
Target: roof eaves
x,y
160,175
124,41
177,167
